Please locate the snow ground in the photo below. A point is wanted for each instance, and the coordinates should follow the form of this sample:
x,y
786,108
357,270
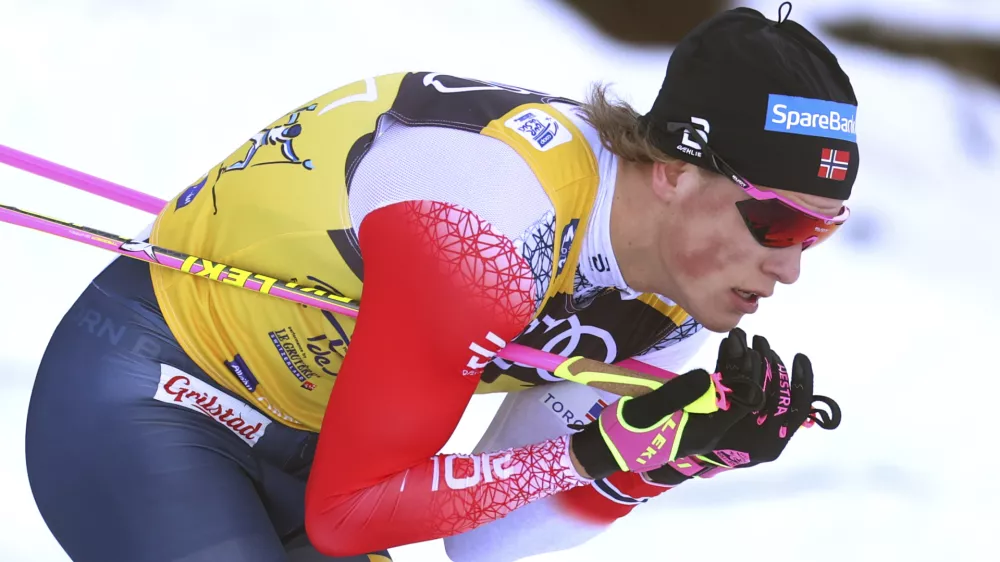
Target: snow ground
x,y
896,313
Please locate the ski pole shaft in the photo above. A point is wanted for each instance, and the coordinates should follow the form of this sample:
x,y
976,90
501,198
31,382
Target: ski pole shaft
x,y
310,296
80,180
181,262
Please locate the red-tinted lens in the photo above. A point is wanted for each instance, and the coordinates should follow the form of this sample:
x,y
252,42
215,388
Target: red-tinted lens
x,y
777,225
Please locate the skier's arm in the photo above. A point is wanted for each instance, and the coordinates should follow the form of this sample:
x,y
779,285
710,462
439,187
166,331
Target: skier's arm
x,y
612,498
438,282
572,518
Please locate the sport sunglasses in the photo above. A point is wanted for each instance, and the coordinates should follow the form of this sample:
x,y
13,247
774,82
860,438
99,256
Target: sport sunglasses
x,y
773,220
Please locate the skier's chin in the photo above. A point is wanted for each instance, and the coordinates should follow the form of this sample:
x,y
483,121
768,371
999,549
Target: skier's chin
x,y
716,315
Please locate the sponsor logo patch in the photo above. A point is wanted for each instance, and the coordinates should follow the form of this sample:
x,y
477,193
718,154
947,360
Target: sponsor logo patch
x,y
190,193
288,347
811,117
568,235
542,130
180,389
239,368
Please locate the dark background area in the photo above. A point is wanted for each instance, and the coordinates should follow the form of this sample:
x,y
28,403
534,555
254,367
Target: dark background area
x,y
664,22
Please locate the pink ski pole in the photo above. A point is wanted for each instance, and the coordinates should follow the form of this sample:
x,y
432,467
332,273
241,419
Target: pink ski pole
x,y
80,180
220,272
650,377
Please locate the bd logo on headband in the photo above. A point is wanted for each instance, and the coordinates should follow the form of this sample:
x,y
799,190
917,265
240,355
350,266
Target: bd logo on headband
x,y
812,117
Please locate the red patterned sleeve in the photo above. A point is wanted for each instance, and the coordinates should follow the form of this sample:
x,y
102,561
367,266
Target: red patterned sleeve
x,y
442,292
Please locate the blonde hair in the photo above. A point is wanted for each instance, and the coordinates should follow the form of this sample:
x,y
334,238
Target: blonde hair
x,y
618,125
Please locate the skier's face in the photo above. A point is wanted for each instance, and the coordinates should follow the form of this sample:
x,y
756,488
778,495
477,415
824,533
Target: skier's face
x,y
719,272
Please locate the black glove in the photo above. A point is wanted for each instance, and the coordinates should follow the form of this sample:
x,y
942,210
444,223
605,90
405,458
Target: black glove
x,y
685,416
762,436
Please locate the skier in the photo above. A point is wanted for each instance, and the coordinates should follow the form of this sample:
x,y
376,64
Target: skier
x,y
206,422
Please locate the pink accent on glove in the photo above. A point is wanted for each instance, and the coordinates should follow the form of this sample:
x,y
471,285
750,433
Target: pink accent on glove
x,y
721,391
687,466
641,451
690,466
732,458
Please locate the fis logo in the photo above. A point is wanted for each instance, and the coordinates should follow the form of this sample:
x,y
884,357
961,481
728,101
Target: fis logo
x,y
811,117
543,131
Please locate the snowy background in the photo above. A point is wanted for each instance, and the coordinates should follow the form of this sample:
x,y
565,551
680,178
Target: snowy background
x,y
897,313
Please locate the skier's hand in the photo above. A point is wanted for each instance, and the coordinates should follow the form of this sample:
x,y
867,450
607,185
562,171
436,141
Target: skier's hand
x,y
685,416
762,436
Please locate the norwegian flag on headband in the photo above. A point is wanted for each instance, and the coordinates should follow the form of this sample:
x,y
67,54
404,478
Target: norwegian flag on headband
x,y
833,164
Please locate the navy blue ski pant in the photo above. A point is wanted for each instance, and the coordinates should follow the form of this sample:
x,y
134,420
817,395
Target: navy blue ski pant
x,y
121,476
